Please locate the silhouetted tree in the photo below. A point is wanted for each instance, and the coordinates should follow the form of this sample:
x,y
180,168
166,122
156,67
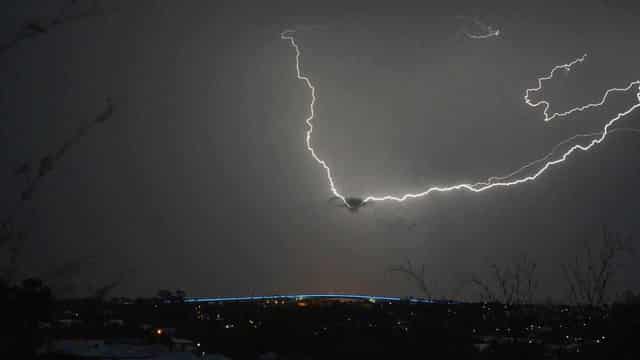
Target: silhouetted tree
x,y
590,274
180,295
513,284
103,291
628,297
417,277
72,11
23,307
12,234
164,294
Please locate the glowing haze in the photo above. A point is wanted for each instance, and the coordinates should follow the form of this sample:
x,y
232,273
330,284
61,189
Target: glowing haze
x,y
526,173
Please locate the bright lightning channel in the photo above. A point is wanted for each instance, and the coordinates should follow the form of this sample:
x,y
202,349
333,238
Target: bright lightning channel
x,y
288,35
547,105
552,152
493,182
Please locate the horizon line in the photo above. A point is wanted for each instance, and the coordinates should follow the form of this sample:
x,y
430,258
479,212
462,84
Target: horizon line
x,y
311,296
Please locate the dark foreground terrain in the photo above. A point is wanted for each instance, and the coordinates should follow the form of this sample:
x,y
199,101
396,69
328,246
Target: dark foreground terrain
x,y
313,329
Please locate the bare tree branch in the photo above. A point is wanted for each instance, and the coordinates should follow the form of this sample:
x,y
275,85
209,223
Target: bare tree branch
x,y
9,231
417,277
515,284
67,14
589,277
47,162
486,293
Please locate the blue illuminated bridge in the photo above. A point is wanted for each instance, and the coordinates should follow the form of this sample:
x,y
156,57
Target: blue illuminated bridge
x,y
301,297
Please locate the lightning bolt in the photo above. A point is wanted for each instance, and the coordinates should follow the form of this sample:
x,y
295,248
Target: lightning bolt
x,y
489,30
288,35
553,151
493,182
546,104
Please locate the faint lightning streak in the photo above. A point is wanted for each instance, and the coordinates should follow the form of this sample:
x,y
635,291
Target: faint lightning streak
x,y
489,184
490,31
288,35
551,153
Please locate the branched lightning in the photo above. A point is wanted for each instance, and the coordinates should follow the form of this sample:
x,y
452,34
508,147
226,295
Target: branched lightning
x,y
552,152
493,182
547,105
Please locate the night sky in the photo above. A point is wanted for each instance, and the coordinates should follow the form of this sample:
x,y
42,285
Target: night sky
x,y
201,180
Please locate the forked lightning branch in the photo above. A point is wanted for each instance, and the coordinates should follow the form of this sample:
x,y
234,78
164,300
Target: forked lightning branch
x,y
528,172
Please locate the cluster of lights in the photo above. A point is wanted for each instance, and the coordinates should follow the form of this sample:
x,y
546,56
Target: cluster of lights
x,y
511,179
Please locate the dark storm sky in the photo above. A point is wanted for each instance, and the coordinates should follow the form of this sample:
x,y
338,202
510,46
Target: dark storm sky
x,y
201,180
